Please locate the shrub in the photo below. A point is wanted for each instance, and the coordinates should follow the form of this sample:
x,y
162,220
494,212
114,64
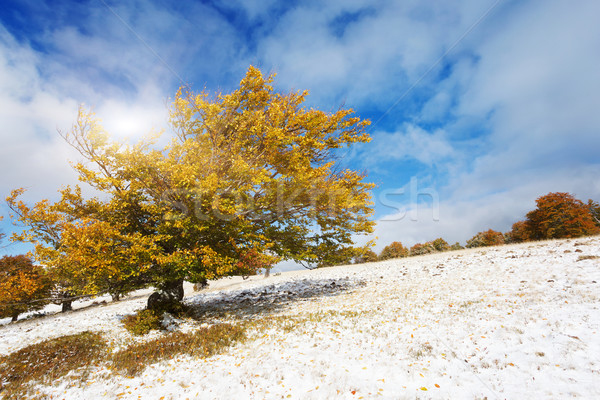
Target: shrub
x,y
48,360
487,238
142,322
393,250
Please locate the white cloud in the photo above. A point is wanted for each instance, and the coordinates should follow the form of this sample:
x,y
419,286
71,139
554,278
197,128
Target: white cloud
x,y
474,209
538,78
29,117
379,55
535,91
34,109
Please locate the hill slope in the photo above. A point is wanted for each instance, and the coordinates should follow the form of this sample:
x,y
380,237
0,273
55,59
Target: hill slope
x,y
517,321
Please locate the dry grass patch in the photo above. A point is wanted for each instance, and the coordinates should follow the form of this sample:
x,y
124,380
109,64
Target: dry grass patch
x,y
48,361
203,342
587,257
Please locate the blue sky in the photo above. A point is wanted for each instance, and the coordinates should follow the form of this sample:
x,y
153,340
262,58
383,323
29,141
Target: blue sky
x,y
478,107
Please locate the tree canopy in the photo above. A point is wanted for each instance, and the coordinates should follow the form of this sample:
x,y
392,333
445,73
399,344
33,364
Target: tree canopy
x,y
248,179
520,232
393,250
422,248
561,215
487,238
23,286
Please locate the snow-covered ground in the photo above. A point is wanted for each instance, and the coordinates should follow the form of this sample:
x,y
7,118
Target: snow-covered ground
x,y
510,322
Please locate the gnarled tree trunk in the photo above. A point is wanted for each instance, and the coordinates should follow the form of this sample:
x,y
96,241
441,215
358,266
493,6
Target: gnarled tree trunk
x,y
67,305
167,298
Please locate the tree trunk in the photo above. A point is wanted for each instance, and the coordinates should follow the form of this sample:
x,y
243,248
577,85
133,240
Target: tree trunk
x,y
15,317
167,298
176,287
67,305
201,284
115,296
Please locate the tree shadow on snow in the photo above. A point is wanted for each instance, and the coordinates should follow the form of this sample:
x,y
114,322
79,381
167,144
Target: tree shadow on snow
x,y
261,300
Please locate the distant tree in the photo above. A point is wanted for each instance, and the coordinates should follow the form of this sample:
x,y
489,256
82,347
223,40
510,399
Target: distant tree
x,y
456,246
23,286
560,215
520,232
594,208
393,250
440,244
367,256
422,248
487,238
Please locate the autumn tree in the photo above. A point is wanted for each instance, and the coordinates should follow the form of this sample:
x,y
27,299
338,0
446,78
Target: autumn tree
x,y
594,208
393,250
86,254
487,238
97,257
433,246
440,244
560,215
422,248
520,232
246,174
23,286
366,256
456,246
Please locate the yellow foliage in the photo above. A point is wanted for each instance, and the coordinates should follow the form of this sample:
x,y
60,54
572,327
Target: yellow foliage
x,y
23,286
249,178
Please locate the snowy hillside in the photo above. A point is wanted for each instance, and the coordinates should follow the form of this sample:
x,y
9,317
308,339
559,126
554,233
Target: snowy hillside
x,y
510,322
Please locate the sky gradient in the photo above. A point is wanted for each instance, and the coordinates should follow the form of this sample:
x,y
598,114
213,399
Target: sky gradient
x,y
477,107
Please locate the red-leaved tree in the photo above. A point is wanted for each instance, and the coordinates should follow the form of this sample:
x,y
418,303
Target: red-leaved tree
x,y
520,232
560,215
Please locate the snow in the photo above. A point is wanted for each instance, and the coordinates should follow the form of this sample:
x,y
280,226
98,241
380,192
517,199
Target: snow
x,y
517,321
